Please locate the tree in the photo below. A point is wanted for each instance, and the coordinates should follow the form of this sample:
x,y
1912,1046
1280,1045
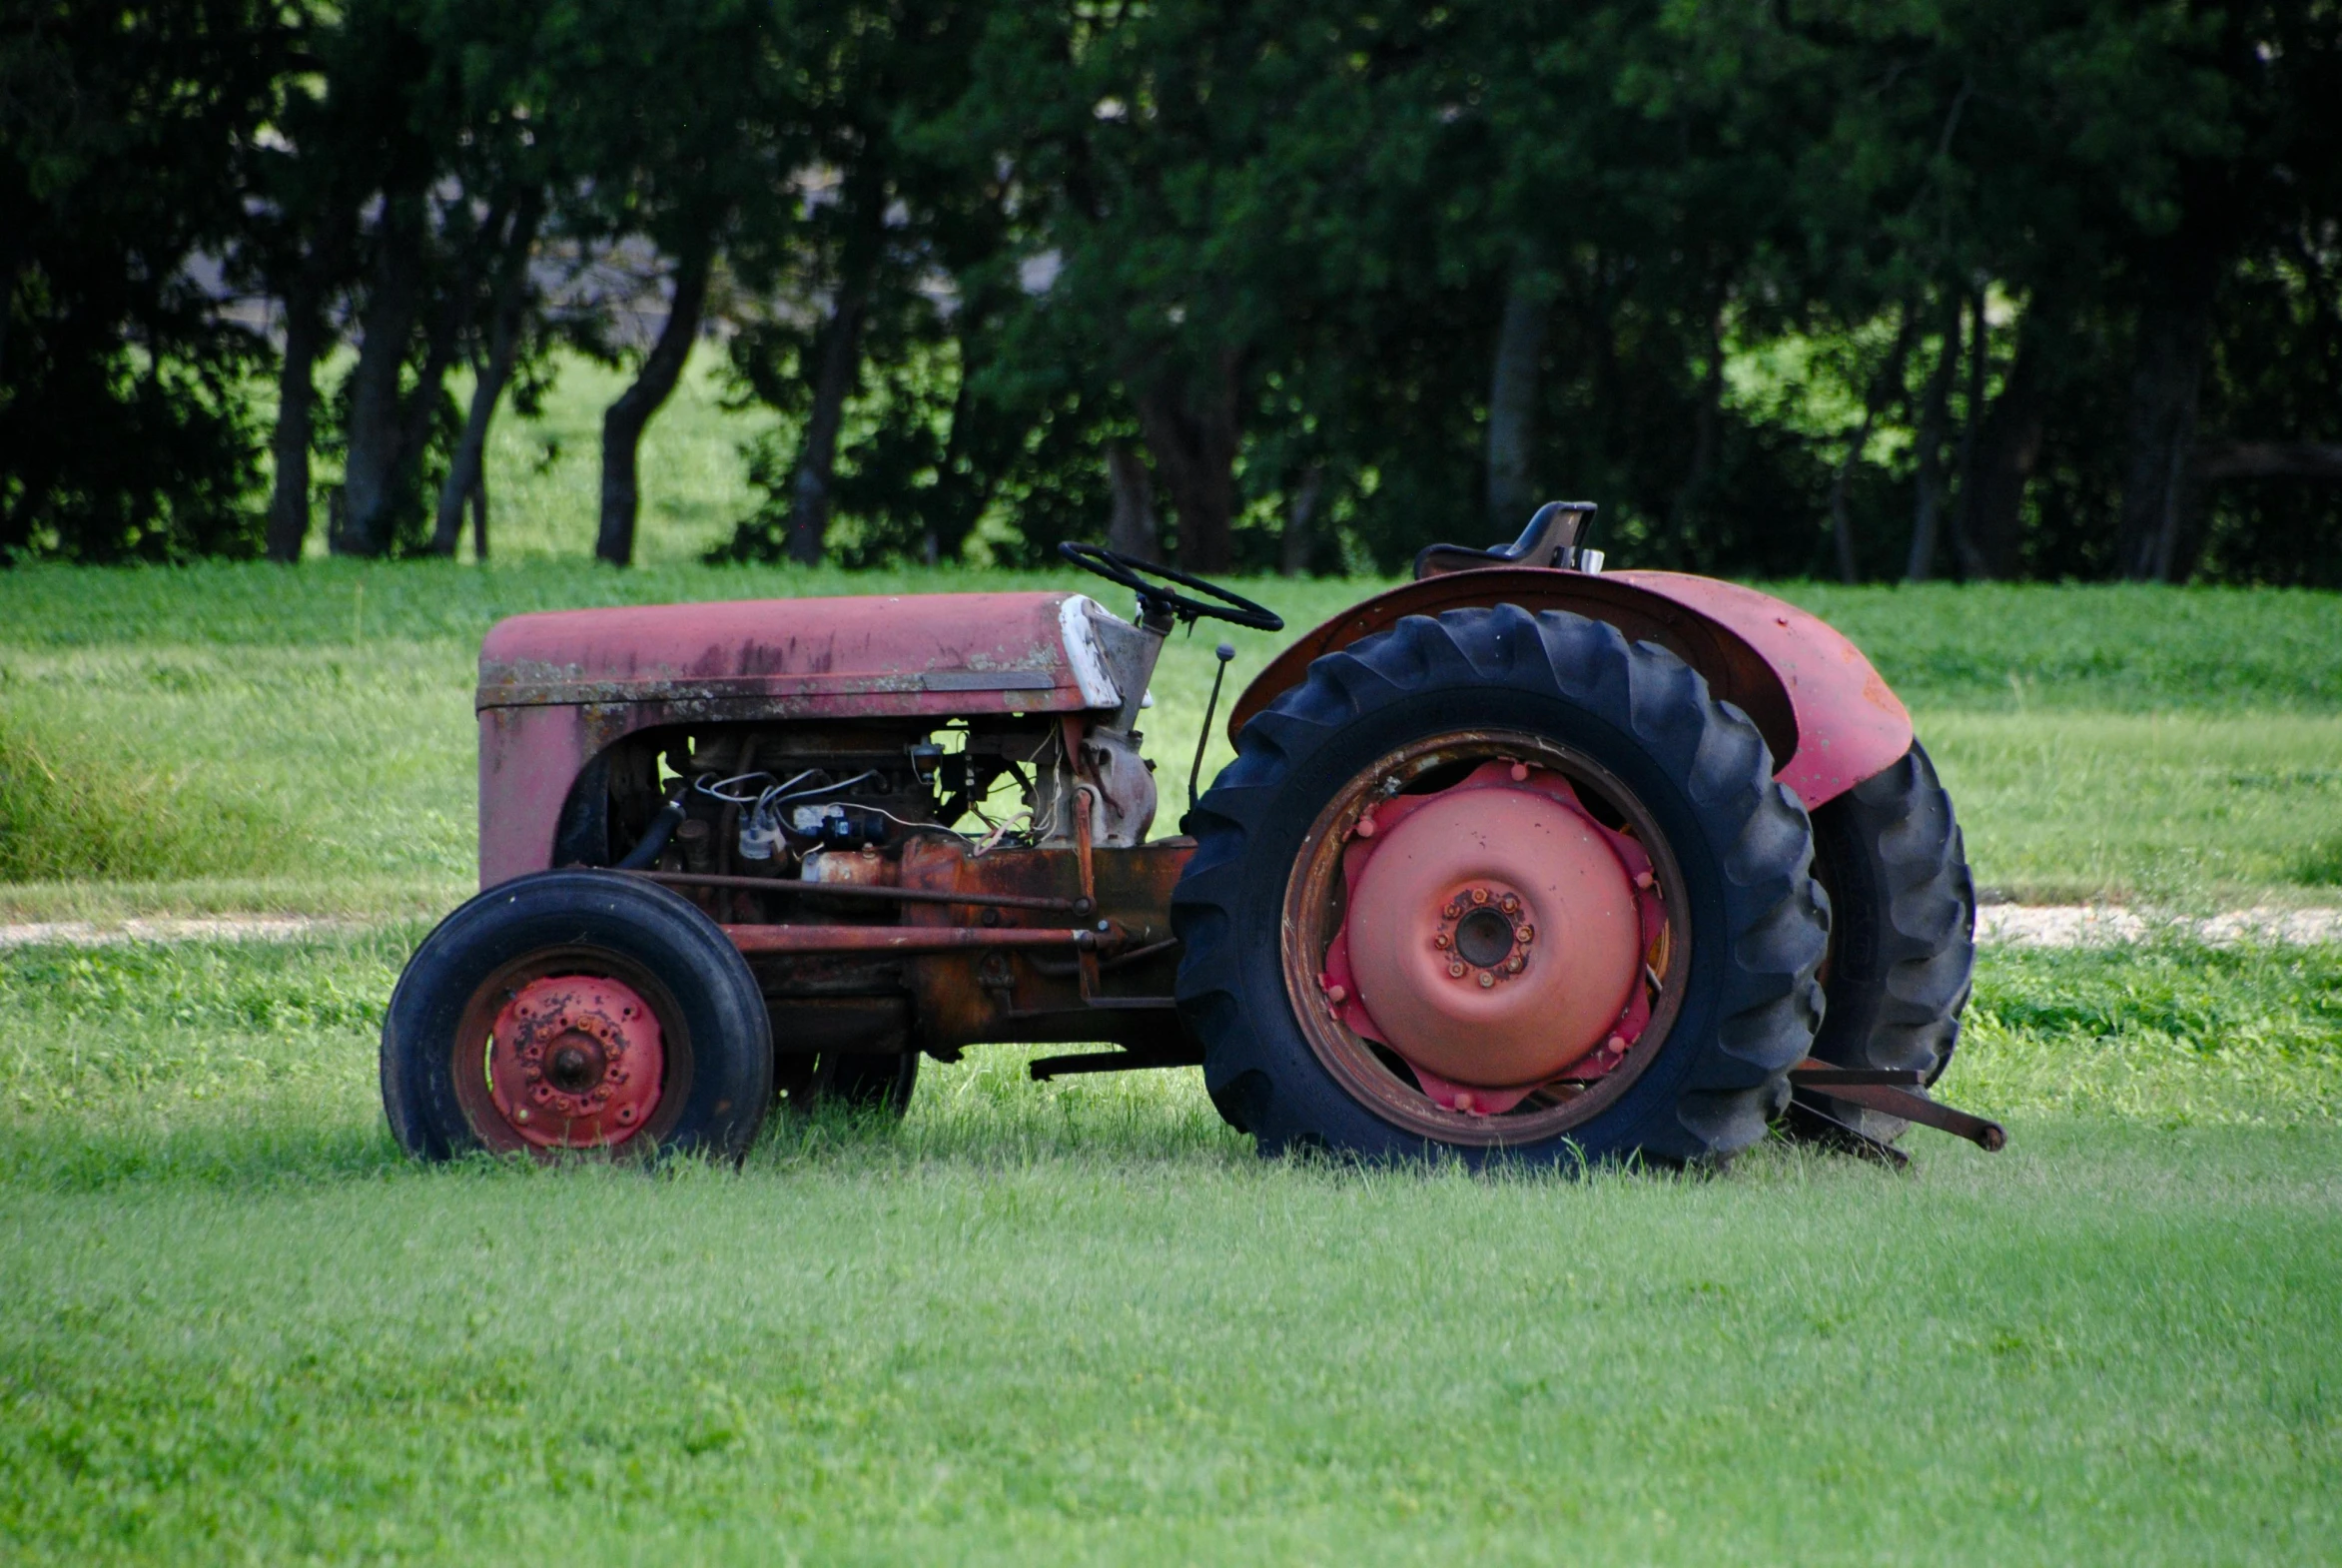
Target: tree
x,y
123,429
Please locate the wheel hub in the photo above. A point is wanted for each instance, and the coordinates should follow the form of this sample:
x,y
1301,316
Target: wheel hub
x,y
576,1061
1495,936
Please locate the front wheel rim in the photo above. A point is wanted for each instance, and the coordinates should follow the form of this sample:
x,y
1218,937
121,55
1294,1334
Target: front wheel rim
x,y
1403,1086
572,1050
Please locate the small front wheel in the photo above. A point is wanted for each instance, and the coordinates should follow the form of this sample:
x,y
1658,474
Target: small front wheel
x,y
577,1011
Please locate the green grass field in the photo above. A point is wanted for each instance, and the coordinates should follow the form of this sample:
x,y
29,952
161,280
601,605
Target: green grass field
x,y
1079,1321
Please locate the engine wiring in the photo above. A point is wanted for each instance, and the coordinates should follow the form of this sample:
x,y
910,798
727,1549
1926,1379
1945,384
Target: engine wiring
x,y
762,795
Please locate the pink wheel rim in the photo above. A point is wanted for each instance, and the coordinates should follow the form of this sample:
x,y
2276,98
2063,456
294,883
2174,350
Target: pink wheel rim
x,y
1363,936
1495,935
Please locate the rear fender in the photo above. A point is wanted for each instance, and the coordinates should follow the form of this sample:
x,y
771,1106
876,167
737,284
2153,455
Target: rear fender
x,y
1825,712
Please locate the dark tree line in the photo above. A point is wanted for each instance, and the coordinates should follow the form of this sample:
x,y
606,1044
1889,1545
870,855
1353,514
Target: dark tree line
x,y
1991,289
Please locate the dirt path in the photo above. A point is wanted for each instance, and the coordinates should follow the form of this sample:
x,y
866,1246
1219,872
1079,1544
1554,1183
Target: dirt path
x,y
204,928
2009,925
2086,925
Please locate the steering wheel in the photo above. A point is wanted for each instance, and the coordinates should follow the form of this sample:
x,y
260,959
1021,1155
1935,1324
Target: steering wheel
x,y
1141,580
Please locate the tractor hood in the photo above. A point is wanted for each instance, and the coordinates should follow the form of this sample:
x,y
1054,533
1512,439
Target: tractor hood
x,y
869,656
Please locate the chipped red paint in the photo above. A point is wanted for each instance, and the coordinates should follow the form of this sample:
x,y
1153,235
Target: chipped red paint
x,y
1830,720
557,688
864,657
576,1061
1850,725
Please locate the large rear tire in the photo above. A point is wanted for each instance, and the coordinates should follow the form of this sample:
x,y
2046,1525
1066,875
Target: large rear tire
x,y
1633,733
1902,935
577,1011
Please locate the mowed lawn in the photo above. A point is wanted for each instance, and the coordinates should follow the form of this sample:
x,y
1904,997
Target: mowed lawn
x,y
1079,1321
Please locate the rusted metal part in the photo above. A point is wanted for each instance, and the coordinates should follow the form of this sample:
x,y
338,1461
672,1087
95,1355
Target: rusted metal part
x,y
1908,1103
575,1061
1105,966
903,939
1043,1069
1824,713
556,689
790,888
1084,797
963,998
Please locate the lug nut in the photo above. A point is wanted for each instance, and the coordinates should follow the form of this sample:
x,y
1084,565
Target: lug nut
x,y
1452,911
1365,827
1480,894
1509,903
1336,995
1520,773
1441,941
1524,934
1486,980
1644,879
1512,966
1457,970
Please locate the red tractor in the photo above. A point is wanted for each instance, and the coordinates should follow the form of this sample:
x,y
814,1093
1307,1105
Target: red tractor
x,y
1523,859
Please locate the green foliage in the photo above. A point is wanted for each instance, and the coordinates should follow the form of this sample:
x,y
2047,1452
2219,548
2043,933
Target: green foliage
x,y
1775,286
125,423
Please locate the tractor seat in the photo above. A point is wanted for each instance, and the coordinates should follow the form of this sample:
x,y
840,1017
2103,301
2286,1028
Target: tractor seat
x,y
1550,540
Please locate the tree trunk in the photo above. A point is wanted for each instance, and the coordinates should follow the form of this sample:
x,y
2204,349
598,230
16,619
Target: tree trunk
x,y
1963,543
465,468
840,366
1512,398
624,420
479,516
377,430
1300,541
1193,433
1707,426
2007,446
965,482
2175,335
1883,388
450,326
1130,530
1935,414
817,453
297,393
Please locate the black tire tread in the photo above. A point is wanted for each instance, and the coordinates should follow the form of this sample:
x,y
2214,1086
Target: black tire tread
x,y
732,1047
1777,915
1904,963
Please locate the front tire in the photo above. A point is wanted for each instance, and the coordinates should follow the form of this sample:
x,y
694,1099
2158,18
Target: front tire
x,y
1632,731
579,1011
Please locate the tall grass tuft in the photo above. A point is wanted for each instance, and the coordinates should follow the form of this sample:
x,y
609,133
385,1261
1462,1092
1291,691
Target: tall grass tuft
x,y
69,813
